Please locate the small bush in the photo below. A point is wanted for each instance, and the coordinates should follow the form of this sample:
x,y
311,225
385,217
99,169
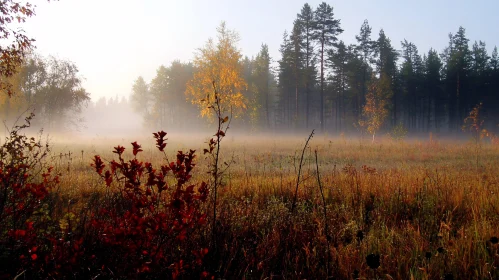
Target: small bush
x,y
141,226
25,181
399,132
145,222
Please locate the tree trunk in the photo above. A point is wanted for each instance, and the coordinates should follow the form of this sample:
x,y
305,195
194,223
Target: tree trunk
x,y
322,85
296,97
267,102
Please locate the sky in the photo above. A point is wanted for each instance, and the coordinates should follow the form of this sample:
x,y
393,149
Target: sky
x,y
112,42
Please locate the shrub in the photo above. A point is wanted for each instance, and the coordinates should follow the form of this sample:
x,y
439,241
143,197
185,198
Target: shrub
x,y
399,132
25,181
144,224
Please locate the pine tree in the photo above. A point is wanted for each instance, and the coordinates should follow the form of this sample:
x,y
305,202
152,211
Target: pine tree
x,y
411,75
494,60
365,48
433,86
493,90
457,63
285,76
297,62
306,23
339,62
386,66
356,82
326,30
478,74
262,77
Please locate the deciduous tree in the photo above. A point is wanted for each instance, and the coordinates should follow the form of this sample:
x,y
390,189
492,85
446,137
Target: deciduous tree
x,y
141,97
218,63
375,109
15,43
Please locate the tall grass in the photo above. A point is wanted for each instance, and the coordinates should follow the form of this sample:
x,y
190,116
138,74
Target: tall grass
x,y
421,206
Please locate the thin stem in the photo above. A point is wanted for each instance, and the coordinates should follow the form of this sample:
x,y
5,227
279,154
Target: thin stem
x,y
326,231
299,171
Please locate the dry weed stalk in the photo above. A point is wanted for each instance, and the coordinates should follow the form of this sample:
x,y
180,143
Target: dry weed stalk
x,y
299,171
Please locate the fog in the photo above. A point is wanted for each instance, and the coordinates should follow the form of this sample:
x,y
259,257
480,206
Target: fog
x,y
114,119
361,81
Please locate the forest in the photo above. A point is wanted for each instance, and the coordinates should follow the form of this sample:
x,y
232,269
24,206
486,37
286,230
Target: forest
x,y
320,82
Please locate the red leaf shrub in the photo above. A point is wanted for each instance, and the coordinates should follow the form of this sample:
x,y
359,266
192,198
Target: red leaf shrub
x,y
25,182
145,221
143,226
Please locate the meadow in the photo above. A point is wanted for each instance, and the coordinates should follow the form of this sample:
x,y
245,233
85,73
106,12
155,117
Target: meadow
x,y
409,209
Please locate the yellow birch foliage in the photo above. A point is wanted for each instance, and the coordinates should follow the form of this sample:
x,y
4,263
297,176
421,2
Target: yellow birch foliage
x,y
11,106
375,110
219,64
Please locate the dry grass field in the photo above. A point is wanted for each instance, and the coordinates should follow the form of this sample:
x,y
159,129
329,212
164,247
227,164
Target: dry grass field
x,y
424,209
414,209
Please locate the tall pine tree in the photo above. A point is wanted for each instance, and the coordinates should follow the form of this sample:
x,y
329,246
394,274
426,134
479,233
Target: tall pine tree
x,y
306,23
326,30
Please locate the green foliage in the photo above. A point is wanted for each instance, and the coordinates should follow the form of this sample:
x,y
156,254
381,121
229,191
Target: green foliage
x,y
141,99
262,78
169,105
399,132
326,30
365,46
323,82
53,88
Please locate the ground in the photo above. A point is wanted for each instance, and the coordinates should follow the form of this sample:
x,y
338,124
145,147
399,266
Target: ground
x,y
428,208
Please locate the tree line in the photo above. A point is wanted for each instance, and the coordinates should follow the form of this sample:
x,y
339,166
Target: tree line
x,y
318,82
51,88
321,82
429,92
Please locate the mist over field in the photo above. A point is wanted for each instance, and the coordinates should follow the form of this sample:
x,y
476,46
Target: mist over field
x,y
321,72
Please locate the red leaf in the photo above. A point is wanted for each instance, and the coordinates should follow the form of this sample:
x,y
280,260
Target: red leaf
x,y
119,150
136,148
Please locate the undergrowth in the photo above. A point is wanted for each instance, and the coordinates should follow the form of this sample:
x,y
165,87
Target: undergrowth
x,y
390,210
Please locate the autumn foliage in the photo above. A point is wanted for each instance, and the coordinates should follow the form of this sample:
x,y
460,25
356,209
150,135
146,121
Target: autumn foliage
x,y
218,64
18,44
474,123
25,183
145,216
375,110
131,218
139,226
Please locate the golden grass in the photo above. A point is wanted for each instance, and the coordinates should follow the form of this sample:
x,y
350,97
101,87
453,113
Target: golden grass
x,y
406,199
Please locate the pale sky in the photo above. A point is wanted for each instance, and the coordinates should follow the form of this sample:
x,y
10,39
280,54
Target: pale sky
x,y
114,41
